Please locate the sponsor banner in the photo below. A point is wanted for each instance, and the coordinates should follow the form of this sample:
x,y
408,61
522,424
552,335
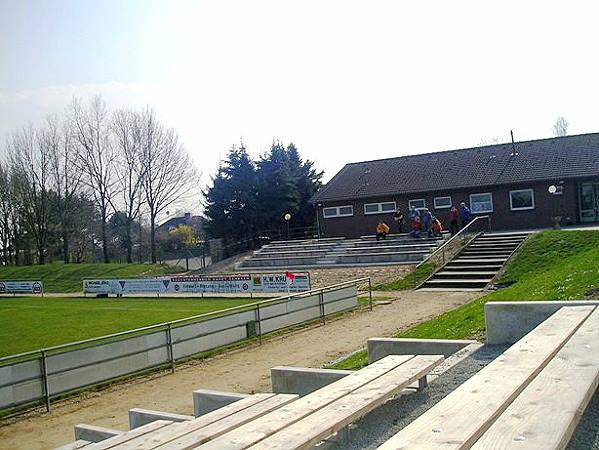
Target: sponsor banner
x,y
21,287
219,284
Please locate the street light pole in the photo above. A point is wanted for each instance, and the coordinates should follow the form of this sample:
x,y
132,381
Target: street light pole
x,y
287,218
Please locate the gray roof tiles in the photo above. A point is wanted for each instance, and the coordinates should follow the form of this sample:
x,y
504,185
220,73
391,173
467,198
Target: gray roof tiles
x,y
544,159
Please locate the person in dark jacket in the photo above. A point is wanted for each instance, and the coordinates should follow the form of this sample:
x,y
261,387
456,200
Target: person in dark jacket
x,y
453,220
399,219
465,214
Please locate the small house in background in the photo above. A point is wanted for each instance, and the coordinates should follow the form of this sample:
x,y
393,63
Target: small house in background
x,y
509,182
196,222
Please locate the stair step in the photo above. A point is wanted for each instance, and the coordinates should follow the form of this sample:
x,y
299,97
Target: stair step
x,y
464,274
467,268
470,261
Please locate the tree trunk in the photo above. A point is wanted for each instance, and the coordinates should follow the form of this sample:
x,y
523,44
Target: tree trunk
x,y
129,242
65,246
104,237
153,238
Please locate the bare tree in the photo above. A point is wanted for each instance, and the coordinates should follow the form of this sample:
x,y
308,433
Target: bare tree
x,y
168,172
66,179
96,158
560,128
7,205
29,152
127,129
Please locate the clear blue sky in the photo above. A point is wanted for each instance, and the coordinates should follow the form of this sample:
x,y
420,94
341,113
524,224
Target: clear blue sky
x,y
345,80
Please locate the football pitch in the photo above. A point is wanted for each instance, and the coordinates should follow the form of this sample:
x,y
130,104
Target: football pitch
x,y
31,323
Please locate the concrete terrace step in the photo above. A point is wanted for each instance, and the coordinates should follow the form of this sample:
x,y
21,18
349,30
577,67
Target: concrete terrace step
x,y
465,274
457,283
471,262
467,268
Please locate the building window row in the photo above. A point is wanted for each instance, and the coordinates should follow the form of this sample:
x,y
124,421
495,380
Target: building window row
x,y
520,200
379,208
338,211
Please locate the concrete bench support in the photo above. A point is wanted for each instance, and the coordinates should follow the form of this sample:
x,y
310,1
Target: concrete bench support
x,y
93,433
378,348
507,322
139,417
302,380
207,400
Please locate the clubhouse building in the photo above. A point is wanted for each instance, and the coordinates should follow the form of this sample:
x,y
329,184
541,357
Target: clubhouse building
x,y
522,185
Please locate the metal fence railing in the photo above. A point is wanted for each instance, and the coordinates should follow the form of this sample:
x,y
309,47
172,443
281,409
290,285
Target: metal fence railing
x,y
39,376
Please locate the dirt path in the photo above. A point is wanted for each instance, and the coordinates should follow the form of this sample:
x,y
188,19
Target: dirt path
x,y
244,370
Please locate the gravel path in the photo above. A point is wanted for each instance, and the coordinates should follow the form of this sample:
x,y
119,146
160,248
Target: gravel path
x,y
246,370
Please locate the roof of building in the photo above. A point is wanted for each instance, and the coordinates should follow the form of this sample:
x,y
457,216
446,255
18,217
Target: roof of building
x,y
556,158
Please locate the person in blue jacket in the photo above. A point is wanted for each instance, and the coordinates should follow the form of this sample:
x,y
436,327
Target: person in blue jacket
x,y
465,214
427,221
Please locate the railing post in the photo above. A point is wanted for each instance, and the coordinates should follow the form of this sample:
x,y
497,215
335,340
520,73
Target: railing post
x,y
321,303
369,294
259,323
171,353
45,380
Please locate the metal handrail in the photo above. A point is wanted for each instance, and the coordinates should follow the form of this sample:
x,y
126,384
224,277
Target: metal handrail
x,y
446,243
186,319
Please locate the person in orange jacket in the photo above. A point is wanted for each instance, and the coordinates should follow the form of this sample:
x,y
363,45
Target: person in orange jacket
x,y
382,229
436,227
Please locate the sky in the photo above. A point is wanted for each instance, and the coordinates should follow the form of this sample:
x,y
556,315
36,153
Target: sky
x,y
345,81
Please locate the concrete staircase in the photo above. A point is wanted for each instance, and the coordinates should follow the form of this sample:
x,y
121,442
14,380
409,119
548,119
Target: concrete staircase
x,y
477,264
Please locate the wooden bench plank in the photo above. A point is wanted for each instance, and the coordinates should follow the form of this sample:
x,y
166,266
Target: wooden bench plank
x,y
314,428
213,416
195,438
255,431
458,420
79,443
128,436
203,429
546,413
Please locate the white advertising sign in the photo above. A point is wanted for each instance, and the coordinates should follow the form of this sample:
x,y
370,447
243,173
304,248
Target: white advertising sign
x,y
221,284
21,287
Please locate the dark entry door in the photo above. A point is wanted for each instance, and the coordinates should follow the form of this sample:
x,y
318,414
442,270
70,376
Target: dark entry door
x,y
589,202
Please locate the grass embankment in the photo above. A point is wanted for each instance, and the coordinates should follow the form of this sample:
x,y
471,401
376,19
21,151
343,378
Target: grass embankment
x,y
552,265
31,323
410,281
65,278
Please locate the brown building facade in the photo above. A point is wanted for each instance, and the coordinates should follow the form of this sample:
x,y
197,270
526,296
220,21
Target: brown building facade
x,y
508,182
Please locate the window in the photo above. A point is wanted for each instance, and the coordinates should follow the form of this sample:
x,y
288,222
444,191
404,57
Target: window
x,y
379,208
417,203
338,211
481,203
522,199
442,202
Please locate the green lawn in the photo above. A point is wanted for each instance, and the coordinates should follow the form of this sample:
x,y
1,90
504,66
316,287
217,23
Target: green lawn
x,y
552,265
30,323
58,277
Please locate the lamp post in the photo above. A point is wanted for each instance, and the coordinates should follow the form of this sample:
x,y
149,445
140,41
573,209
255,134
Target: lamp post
x,y
287,218
318,205
556,219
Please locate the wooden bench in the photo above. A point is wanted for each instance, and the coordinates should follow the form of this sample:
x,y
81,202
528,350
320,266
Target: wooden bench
x,y
530,397
327,410
209,425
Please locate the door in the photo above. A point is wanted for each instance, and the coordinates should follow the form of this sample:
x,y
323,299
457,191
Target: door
x,y
589,202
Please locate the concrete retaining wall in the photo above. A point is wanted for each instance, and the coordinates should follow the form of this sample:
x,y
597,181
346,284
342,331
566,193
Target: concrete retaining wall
x,y
139,417
507,322
22,382
92,433
208,400
378,348
302,380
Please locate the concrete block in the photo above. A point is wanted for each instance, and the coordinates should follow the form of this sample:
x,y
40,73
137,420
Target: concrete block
x,y
380,347
207,400
139,417
302,380
93,433
74,445
507,322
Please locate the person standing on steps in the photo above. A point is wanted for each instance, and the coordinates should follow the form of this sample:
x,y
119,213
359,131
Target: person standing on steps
x,y
399,219
453,220
465,214
427,221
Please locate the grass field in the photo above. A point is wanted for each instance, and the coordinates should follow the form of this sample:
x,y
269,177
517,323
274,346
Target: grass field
x,y
553,265
30,323
58,277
